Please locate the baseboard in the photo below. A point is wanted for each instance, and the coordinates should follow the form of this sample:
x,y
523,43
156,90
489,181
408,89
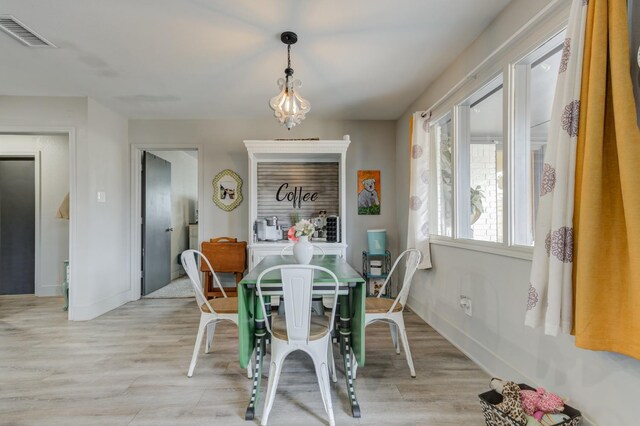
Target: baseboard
x,y
49,290
177,274
89,312
454,335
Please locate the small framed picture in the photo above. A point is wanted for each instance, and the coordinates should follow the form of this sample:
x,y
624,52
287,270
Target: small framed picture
x,y
227,190
368,192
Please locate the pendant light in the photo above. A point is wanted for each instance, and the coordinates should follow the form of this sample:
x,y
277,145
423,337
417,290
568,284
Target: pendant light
x,y
288,106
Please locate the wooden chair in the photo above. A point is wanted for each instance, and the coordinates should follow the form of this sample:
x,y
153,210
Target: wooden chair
x,y
298,330
211,312
227,255
390,310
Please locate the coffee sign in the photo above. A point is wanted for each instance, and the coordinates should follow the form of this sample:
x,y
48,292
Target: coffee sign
x,y
296,196
285,188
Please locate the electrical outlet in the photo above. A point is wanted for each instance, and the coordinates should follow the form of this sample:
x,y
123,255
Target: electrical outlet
x,y
465,304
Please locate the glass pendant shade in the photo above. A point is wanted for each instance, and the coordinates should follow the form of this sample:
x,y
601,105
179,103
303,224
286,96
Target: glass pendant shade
x,y
288,106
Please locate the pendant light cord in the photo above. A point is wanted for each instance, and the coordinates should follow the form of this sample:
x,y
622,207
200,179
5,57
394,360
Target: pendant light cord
x,y
289,71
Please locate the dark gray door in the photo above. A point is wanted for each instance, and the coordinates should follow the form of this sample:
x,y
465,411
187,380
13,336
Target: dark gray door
x,y
17,225
156,223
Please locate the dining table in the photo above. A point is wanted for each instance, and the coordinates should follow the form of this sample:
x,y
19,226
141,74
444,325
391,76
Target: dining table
x,y
349,330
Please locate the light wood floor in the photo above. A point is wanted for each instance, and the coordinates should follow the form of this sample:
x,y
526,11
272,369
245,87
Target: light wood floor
x,y
128,367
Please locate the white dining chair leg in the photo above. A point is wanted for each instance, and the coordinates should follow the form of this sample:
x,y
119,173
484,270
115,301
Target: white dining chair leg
x,y
198,344
250,365
354,365
332,363
272,386
249,370
320,362
405,345
394,337
211,330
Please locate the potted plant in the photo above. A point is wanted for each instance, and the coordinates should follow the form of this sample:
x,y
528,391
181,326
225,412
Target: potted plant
x,y
477,208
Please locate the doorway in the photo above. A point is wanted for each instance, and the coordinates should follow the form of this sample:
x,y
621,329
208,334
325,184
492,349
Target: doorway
x,y
34,230
17,225
169,220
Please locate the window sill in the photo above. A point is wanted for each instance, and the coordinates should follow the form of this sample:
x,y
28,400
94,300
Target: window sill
x,y
518,252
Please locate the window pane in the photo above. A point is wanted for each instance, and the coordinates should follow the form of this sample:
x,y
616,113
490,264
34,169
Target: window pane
x,y
535,83
442,137
481,164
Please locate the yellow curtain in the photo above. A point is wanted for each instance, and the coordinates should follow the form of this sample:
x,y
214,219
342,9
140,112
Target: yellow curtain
x,y
607,196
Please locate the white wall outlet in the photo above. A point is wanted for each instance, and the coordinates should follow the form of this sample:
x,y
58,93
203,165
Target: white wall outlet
x,y
102,197
465,304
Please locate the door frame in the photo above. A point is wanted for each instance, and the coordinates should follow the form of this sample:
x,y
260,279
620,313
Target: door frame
x,y
70,132
136,203
37,255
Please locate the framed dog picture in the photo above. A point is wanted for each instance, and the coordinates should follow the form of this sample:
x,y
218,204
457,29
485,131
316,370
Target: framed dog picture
x,y
227,190
368,192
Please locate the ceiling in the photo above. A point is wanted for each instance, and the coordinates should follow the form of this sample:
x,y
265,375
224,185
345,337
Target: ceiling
x,y
360,59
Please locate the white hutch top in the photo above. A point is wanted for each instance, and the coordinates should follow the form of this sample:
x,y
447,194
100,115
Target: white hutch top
x,y
296,152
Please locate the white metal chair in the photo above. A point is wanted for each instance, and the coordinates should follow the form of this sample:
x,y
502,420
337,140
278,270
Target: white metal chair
x,y
211,311
299,330
317,306
390,310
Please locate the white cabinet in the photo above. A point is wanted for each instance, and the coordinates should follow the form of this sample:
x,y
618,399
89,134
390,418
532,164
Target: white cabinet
x,y
258,251
269,199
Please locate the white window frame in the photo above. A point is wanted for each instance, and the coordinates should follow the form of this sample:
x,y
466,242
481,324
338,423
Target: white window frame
x,y
538,31
433,174
521,77
461,170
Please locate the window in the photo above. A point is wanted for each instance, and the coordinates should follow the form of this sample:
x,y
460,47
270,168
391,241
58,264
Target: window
x,y
535,80
488,141
442,141
480,164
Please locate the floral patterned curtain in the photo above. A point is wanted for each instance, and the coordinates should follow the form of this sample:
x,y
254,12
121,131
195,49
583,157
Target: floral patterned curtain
x,y
550,301
418,224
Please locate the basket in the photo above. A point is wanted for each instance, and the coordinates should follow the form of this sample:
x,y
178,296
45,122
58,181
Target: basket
x,y
496,417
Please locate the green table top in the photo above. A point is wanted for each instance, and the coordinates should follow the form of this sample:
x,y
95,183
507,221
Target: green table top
x,y
344,272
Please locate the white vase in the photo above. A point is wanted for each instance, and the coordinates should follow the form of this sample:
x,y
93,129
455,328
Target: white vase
x,y
303,250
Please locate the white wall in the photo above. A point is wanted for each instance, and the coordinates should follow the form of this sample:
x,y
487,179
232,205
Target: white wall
x,y
184,196
372,147
103,228
99,158
604,386
54,186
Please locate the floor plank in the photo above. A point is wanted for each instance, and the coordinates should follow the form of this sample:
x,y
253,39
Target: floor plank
x,y
128,367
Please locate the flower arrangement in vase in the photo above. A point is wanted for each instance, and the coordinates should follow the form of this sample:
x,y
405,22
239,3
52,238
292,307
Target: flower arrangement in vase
x,y
299,234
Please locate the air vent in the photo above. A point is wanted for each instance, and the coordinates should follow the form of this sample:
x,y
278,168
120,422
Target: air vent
x,y
22,33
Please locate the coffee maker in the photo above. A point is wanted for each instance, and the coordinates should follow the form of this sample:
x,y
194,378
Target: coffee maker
x,y
268,229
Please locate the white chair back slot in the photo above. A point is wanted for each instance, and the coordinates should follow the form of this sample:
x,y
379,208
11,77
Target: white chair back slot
x,y
297,286
190,265
297,289
413,258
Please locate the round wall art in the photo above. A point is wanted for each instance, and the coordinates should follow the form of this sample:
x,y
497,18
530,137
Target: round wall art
x,y
227,190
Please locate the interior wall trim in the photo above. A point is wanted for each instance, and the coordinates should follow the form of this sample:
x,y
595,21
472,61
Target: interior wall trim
x,y
135,285
70,131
